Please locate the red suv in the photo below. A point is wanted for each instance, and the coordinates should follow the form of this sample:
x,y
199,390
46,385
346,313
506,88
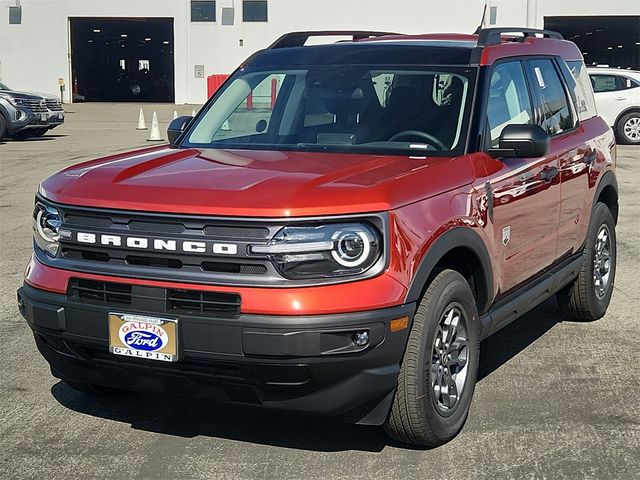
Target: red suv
x,y
336,230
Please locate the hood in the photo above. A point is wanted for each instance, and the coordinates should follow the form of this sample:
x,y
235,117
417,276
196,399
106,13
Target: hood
x,y
252,183
28,95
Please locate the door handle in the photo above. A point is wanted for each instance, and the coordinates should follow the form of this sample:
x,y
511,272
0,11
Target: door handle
x,y
620,99
547,174
590,157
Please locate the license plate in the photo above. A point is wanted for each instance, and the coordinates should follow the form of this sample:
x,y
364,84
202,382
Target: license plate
x,y
140,336
44,117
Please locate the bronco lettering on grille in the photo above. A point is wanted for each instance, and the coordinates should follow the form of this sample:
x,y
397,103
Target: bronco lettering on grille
x,y
159,244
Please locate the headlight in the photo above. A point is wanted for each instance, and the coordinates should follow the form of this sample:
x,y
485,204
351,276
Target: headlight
x,y
12,100
335,250
46,222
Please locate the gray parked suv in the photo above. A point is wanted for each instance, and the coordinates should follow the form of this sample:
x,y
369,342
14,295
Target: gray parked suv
x,y
24,115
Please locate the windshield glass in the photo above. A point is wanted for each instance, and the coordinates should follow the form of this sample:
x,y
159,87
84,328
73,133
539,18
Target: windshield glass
x,y
4,87
345,108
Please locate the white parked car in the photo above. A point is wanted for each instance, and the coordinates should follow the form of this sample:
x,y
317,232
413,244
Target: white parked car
x,y
617,95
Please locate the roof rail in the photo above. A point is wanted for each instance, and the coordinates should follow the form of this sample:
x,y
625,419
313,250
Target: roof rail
x,y
298,39
492,35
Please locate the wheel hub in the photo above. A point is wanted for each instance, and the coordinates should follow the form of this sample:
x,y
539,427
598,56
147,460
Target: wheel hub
x,y
632,128
449,359
602,262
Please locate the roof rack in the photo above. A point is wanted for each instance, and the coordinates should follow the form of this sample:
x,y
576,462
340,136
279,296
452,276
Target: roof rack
x,y
492,35
298,39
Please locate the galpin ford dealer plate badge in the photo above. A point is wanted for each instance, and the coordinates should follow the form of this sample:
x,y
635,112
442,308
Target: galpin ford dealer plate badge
x,y
140,336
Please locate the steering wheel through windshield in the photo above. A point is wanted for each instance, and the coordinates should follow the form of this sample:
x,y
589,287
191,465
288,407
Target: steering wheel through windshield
x,y
430,139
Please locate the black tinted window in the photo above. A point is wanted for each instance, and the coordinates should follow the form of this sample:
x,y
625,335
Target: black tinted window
x,y
254,11
203,11
545,82
346,107
611,83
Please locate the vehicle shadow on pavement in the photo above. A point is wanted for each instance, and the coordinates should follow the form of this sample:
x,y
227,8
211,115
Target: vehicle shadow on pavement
x,y
498,349
190,417
35,139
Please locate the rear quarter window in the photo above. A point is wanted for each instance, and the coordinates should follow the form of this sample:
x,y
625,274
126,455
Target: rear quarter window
x,y
555,115
584,100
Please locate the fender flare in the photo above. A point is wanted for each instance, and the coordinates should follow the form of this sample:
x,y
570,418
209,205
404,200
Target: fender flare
x,y
608,179
623,113
454,238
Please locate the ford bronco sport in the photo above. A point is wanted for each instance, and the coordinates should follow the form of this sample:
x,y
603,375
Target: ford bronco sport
x,y
342,248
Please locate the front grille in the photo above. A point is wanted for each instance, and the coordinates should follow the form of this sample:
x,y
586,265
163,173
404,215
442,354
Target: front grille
x,y
52,104
169,261
199,302
99,293
34,105
161,300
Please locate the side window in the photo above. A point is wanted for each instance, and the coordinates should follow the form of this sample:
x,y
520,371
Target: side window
x,y
628,83
509,101
585,103
609,83
545,83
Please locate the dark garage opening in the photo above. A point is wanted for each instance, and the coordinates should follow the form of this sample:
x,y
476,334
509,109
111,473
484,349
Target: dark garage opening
x,y
122,59
604,40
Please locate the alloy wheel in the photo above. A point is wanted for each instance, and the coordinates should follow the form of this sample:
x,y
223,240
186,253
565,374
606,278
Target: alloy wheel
x,y
602,262
631,129
449,359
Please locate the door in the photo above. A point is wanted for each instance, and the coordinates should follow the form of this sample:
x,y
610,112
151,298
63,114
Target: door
x,y
577,151
525,192
612,94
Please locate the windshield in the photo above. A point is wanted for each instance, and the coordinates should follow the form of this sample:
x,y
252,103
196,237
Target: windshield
x,y
4,87
344,108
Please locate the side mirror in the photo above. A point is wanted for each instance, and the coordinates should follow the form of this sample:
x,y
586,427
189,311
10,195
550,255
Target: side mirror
x,y
176,127
522,141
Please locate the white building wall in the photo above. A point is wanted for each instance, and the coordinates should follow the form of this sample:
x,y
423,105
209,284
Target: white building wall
x,y
34,54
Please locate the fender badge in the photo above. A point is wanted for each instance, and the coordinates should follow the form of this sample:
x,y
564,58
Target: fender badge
x,y
506,235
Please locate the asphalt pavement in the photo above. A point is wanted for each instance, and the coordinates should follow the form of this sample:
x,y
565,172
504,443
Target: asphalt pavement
x,y
556,399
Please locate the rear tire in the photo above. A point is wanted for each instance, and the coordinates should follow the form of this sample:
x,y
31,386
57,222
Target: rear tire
x,y
587,297
434,392
628,128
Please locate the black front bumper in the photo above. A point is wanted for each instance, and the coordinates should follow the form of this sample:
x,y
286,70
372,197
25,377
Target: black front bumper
x,y
298,363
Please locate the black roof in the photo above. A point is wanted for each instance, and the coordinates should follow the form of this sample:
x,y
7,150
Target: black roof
x,y
379,52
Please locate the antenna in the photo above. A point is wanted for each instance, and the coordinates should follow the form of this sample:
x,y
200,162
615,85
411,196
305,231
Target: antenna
x,y
484,13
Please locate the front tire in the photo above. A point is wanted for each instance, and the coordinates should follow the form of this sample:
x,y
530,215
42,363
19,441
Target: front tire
x,y
3,127
439,370
587,297
628,128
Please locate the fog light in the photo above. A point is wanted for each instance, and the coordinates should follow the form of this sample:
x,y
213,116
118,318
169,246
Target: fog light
x,y
21,306
361,339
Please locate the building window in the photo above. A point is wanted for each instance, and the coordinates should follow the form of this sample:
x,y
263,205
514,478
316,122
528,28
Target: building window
x,y
254,11
203,11
15,15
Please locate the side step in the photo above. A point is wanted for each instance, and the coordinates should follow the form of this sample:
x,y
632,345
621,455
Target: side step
x,y
516,304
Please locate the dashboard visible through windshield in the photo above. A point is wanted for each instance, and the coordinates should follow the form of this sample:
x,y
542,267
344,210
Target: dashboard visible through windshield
x,y
340,108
